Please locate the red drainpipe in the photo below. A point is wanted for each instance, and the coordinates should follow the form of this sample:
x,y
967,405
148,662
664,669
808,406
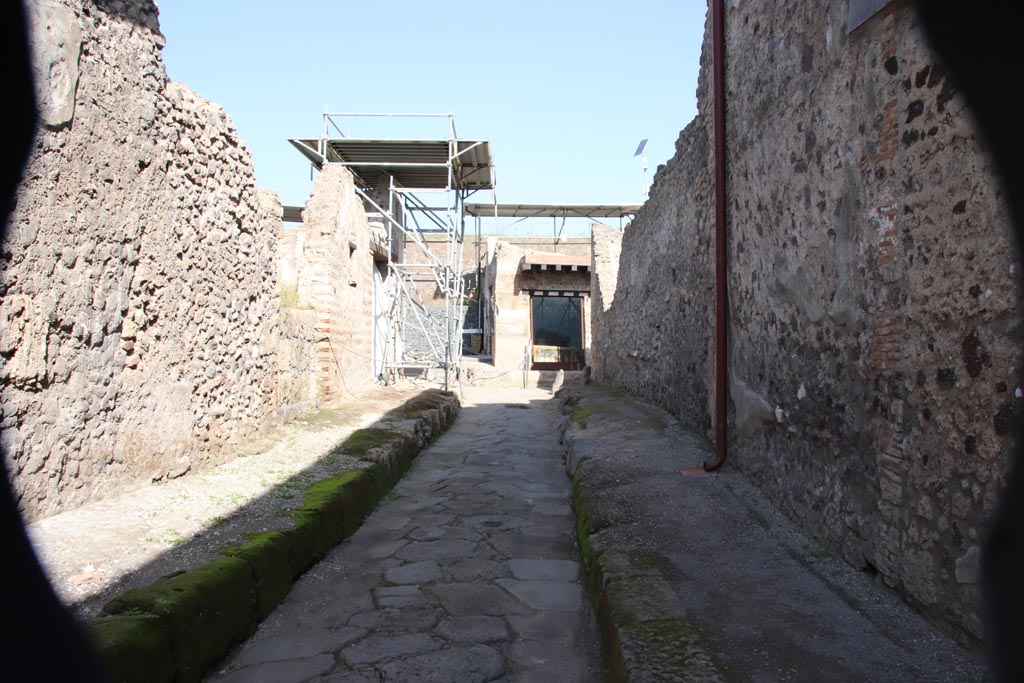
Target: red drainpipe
x,y
721,242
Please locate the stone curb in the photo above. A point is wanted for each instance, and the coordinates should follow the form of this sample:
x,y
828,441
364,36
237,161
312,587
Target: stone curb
x,y
178,628
645,635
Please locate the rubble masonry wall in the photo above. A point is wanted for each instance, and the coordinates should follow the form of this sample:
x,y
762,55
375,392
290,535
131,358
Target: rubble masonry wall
x,y
139,311
873,292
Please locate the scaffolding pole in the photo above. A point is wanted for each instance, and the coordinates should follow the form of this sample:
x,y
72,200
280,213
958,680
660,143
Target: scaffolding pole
x,y
424,329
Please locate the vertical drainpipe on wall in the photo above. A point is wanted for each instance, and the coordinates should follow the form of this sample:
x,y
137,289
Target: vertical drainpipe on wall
x,y
721,242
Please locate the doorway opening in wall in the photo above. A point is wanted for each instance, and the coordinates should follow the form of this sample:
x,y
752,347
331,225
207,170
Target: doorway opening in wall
x,y
556,324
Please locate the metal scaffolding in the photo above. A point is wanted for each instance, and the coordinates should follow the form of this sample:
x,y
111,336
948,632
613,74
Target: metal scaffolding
x,y
418,188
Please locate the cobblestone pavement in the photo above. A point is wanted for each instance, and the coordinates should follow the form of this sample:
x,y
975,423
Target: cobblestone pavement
x,y
467,572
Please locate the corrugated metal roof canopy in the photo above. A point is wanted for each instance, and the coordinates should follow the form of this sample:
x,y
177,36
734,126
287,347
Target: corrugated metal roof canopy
x,y
415,164
552,210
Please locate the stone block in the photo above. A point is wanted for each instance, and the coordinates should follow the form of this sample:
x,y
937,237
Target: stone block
x,y
267,554
133,648
206,612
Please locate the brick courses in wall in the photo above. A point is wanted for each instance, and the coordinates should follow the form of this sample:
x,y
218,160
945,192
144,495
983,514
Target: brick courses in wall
x,y
333,279
138,328
874,324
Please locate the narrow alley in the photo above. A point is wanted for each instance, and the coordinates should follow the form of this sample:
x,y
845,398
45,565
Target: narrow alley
x,y
468,570
755,416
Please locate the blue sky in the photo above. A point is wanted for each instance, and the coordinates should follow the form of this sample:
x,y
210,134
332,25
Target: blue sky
x,y
564,90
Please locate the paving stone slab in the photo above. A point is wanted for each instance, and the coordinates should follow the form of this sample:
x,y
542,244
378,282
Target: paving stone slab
x,y
545,570
539,661
474,629
477,569
516,544
324,610
472,664
476,599
292,671
297,644
443,533
451,488
382,648
399,596
419,592
397,620
549,626
434,519
349,677
383,549
416,551
417,573
489,524
545,595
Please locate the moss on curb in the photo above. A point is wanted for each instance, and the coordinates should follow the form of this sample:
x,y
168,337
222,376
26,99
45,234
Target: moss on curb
x,y
267,554
580,413
307,543
178,628
342,502
672,646
206,612
646,561
133,647
638,634
363,440
591,573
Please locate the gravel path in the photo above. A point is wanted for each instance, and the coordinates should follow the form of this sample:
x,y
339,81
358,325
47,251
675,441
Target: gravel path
x,y
468,572
96,551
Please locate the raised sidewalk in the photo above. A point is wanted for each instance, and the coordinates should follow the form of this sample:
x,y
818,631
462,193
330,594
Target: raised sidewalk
x,y
702,579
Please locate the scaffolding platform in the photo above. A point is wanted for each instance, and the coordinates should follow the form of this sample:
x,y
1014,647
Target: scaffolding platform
x,y
394,176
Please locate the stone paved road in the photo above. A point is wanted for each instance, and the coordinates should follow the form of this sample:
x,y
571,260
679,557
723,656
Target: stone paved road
x,y
467,572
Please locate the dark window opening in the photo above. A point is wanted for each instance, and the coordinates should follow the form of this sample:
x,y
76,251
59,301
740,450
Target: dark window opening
x,y
557,323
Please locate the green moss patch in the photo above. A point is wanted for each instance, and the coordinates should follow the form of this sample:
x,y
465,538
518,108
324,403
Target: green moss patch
x,y
591,573
206,612
307,544
361,441
180,627
580,413
267,554
638,631
671,649
646,562
611,391
342,501
638,598
133,647
289,297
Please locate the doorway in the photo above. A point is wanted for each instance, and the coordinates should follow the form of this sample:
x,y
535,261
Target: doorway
x,y
557,332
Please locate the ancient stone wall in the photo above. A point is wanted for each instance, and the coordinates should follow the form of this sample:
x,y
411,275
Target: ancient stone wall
x,y
334,278
297,370
873,294
138,310
656,338
606,248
